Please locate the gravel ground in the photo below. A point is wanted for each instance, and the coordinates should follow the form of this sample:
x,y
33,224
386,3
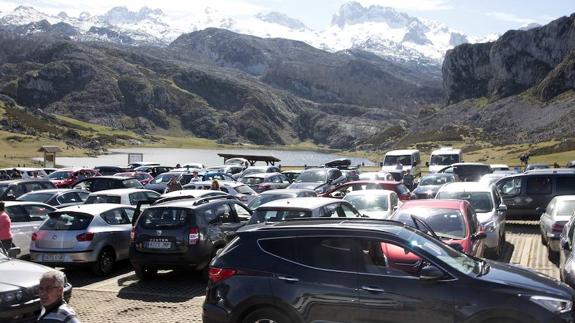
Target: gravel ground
x,y
178,296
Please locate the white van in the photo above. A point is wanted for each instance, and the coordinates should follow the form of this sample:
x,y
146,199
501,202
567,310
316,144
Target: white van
x,y
443,157
409,159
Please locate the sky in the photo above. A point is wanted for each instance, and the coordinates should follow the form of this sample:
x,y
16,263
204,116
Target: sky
x,y
472,17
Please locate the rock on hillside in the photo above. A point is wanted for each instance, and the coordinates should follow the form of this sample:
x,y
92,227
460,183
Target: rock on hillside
x,y
517,61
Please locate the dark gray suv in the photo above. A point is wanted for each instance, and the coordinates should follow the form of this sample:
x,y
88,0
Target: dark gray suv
x,y
184,234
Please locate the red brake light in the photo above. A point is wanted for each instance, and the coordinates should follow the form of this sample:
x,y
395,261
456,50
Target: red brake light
x,y
194,236
88,236
219,274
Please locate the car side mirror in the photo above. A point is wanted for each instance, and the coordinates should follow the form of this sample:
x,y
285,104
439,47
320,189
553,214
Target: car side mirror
x,y
565,245
502,208
431,273
479,235
13,252
456,246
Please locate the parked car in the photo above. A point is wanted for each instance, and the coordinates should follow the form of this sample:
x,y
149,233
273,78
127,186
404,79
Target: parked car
x,y
126,196
67,178
142,177
109,170
558,212
228,169
160,183
153,170
292,174
26,217
430,184
322,271
376,176
257,170
95,235
408,158
240,191
453,221
101,183
265,181
566,254
442,157
58,198
528,194
184,235
303,207
187,195
536,166
321,180
467,172
499,168
401,190
12,189
272,195
142,163
193,165
377,204
19,281
489,207
25,172
490,179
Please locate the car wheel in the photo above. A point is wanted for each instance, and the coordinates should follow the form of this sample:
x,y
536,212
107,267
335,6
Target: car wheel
x,y
552,255
143,272
105,262
266,315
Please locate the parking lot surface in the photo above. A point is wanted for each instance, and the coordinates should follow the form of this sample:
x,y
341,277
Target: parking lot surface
x,y
178,296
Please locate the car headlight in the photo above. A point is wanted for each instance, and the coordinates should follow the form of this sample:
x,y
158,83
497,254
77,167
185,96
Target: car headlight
x,y
11,297
555,305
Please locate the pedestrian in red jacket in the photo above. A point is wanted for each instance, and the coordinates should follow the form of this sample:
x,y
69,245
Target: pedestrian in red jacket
x,y
5,228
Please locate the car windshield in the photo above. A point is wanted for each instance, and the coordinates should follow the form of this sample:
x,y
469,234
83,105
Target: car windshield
x,y
264,198
446,223
405,160
368,203
251,180
67,221
60,175
312,176
436,180
163,178
480,201
35,197
272,215
95,199
444,159
454,259
566,208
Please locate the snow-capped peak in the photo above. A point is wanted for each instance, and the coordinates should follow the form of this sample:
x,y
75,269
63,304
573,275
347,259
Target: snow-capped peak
x,y
282,20
351,13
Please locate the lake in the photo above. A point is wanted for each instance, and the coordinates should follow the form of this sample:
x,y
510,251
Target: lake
x,y
208,157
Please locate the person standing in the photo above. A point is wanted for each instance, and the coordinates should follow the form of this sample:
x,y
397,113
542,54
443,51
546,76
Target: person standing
x,y
408,179
195,177
5,228
51,292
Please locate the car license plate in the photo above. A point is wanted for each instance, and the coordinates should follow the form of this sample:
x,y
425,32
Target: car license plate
x,y
158,245
52,258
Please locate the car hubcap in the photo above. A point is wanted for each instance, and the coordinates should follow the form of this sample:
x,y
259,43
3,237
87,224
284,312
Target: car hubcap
x,y
107,261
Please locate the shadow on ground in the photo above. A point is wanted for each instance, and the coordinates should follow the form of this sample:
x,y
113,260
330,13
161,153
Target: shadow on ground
x,y
168,286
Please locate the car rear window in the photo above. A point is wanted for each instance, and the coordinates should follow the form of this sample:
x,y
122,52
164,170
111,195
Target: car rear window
x,y
447,223
278,215
69,221
565,208
244,189
132,183
251,180
163,218
480,201
95,199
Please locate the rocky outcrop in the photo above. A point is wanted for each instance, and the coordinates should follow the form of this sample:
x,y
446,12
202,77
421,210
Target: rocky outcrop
x,y
561,79
517,61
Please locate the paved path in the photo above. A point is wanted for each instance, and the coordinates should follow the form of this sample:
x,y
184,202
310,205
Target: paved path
x,y
178,296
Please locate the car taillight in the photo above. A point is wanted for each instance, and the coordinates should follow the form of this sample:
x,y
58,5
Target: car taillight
x,y
219,274
557,227
133,234
34,236
194,236
88,236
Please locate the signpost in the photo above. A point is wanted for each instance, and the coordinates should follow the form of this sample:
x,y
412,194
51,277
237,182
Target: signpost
x,y
49,155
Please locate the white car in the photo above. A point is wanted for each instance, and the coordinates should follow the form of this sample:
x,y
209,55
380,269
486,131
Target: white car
x,y
557,213
26,217
126,196
377,204
488,205
238,190
188,194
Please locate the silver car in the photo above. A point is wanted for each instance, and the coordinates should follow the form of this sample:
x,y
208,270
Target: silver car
x,y
97,235
487,203
556,215
26,217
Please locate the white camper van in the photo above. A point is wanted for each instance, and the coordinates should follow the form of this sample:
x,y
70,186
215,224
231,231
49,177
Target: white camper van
x,y
409,159
443,157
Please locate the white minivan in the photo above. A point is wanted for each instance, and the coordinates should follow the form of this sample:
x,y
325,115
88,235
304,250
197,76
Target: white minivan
x,y
409,159
443,157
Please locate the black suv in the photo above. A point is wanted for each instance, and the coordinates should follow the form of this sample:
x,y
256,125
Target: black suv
x,y
527,194
370,271
184,234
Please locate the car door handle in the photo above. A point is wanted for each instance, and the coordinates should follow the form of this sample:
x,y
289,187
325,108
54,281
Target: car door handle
x,y
288,279
373,289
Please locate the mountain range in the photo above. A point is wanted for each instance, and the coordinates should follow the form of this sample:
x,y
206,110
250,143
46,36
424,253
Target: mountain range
x,y
376,29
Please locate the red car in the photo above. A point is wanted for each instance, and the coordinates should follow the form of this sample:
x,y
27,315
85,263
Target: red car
x,y
66,178
398,187
454,221
142,177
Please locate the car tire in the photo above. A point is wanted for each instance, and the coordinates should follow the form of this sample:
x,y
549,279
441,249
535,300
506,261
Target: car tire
x,y
266,315
145,273
105,262
552,255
